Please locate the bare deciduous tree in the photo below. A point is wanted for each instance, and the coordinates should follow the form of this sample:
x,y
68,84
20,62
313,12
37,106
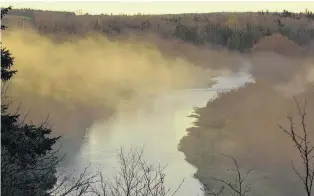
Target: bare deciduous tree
x,y
238,188
79,186
135,177
303,145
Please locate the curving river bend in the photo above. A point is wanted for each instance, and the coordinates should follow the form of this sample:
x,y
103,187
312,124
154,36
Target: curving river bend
x,y
158,127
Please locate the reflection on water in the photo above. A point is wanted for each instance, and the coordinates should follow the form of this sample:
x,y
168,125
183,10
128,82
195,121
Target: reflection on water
x,y
158,127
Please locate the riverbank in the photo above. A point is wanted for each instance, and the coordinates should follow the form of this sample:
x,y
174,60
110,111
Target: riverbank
x,y
244,123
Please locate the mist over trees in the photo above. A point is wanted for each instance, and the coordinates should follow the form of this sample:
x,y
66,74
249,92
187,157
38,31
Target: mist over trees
x,y
235,31
28,156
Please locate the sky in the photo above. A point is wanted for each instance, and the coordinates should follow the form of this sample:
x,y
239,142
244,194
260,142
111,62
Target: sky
x,y
160,7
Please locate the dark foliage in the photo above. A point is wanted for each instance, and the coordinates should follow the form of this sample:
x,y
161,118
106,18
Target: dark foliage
x,y
4,11
6,58
28,162
6,63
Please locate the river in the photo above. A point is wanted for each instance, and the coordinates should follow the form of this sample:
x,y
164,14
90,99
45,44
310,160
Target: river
x,y
158,127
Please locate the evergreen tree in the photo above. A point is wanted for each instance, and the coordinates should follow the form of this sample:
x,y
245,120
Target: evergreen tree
x,y
28,162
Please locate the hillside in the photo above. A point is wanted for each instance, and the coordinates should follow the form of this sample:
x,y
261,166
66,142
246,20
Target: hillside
x,y
235,31
120,55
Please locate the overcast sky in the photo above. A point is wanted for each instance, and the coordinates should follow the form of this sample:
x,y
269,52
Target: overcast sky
x,y
157,7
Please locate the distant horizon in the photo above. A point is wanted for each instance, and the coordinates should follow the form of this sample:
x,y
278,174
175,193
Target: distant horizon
x,y
159,8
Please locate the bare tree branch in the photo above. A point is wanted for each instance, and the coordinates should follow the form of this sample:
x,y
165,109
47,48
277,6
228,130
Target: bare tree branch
x,y
237,188
303,145
135,177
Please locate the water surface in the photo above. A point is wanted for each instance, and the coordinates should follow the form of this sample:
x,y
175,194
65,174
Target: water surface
x,y
157,125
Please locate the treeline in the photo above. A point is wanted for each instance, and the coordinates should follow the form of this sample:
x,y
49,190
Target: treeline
x,y
285,13
239,31
28,161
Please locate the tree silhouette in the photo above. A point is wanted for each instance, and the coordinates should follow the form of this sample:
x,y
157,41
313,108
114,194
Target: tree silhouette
x,y
28,162
304,147
6,58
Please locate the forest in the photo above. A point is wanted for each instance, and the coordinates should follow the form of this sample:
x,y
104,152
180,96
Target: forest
x,y
279,46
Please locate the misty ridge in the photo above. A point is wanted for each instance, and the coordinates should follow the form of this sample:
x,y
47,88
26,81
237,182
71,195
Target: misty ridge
x,y
81,69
